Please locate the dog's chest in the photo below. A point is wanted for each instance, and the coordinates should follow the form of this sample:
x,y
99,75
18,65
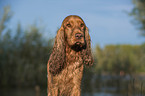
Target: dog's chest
x,y
72,71
70,76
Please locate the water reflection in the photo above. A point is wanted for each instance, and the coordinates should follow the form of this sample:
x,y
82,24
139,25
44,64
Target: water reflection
x,y
31,92
114,85
92,85
22,92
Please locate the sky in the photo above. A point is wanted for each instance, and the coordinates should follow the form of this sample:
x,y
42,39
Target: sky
x,y
108,20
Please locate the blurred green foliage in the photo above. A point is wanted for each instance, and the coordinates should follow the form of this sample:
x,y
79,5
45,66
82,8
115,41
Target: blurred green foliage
x,y
113,59
139,14
23,56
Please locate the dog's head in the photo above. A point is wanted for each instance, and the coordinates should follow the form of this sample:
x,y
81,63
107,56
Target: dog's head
x,y
74,31
74,34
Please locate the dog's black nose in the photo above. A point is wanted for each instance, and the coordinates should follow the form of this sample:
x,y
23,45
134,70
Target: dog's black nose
x,y
78,35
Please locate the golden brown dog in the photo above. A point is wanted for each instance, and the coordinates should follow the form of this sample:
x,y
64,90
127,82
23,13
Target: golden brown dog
x,y
71,51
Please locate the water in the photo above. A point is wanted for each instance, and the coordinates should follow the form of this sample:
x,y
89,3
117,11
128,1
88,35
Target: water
x,y
92,86
22,92
32,92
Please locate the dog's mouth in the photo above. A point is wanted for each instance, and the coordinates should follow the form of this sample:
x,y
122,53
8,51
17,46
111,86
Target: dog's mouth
x,y
78,46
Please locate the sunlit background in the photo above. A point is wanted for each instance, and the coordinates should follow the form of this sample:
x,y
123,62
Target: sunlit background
x,y
117,30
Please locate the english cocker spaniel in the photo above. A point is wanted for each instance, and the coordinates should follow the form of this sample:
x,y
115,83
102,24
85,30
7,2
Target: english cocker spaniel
x,y
71,51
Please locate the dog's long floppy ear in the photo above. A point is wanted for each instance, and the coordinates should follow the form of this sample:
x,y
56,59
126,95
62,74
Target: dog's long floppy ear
x,y
86,52
57,58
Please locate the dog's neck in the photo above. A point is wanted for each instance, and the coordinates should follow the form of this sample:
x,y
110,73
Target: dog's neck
x,y
72,55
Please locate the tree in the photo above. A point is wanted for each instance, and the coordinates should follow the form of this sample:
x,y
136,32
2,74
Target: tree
x,y
116,58
23,55
139,14
7,14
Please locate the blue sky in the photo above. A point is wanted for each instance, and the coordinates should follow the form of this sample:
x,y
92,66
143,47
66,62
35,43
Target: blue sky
x,y
107,20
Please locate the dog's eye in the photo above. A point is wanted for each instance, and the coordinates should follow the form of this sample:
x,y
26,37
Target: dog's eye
x,y
69,25
82,25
